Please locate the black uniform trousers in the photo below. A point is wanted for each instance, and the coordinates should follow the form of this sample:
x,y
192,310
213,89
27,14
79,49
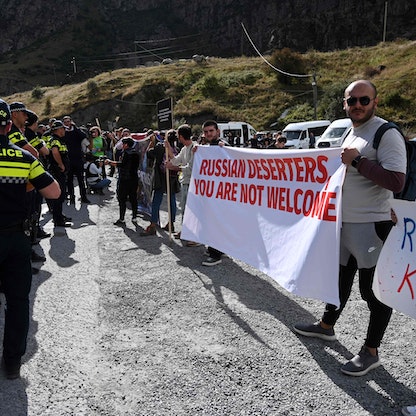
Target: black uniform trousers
x,y
56,204
16,280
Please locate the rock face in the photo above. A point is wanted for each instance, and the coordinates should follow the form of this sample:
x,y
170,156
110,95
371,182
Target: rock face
x,y
210,28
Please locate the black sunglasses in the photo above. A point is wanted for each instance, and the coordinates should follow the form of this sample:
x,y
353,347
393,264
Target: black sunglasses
x,y
363,100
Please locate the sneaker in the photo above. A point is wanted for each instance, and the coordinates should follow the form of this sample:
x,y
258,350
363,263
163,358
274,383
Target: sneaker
x,y
62,224
361,364
120,222
192,244
211,262
37,257
42,234
409,410
315,331
177,235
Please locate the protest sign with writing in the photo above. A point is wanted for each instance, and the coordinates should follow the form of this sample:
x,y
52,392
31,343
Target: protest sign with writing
x,y
395,277
277,210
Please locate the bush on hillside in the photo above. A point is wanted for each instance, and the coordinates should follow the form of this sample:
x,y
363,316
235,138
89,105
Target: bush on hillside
x,y
290,62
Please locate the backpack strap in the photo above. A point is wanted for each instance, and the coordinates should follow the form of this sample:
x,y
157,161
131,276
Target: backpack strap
x,y
381,130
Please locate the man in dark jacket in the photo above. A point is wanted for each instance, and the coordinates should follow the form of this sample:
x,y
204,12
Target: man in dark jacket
x,y
73,139
128,179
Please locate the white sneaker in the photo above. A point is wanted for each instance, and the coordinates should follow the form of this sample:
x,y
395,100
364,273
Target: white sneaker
x,y
409,410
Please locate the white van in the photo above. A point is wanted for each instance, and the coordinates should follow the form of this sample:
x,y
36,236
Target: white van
x,y
236,133
335,134
305,134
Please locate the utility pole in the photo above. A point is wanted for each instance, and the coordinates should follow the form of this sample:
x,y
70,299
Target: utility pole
x,y
74,65
315,95
385,21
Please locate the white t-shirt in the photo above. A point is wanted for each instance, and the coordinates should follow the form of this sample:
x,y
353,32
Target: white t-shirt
x,y
363,200
185,159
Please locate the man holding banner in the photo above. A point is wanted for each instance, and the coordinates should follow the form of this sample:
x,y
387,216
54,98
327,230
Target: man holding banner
x,y
372,176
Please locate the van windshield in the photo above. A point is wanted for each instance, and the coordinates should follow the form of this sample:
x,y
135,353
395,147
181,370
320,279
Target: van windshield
x,y
334,133
292,134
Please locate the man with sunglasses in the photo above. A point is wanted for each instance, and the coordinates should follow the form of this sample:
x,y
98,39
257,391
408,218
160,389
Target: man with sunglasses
x,y
372,177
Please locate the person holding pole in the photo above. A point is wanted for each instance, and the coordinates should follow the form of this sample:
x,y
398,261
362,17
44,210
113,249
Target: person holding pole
x,y
163,180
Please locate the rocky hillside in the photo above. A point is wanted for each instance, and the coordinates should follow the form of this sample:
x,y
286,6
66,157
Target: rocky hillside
x,y
40,40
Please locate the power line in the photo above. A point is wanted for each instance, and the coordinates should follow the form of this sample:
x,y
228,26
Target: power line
x,y
268,63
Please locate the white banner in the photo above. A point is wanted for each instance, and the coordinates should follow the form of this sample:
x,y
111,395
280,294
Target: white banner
x,y
395,277
277,210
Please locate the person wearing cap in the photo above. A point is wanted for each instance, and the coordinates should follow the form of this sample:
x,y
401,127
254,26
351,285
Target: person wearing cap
x,y
34,139
128,179
73,140
19,171
58,167
16,136
20,116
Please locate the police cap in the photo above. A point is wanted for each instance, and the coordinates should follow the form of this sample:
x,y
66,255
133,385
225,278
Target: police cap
x,y
31,118
4,113
17,106
57,124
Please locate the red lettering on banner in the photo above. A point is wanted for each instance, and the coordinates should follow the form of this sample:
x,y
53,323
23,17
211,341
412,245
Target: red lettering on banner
x,y
251,194
227,190
204,187
406,279
320,205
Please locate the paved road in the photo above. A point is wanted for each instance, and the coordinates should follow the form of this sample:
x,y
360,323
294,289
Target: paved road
x,y
130,325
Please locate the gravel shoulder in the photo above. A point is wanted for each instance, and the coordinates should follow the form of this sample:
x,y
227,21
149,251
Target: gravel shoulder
x,y
130,325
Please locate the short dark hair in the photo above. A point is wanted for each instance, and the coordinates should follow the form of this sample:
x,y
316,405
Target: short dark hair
x,y
210,123
185,131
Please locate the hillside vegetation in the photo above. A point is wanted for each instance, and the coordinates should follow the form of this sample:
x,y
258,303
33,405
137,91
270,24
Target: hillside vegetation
x,y
238,89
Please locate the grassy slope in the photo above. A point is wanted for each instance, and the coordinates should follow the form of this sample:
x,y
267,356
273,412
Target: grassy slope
x,y
246,89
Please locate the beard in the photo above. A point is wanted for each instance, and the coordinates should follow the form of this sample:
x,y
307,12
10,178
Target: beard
x,y
361,115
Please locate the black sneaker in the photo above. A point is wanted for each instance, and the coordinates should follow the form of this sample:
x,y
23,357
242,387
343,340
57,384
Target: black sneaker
x,y
37,257
120,222
62,224
361,364
42,234
315,331
210,261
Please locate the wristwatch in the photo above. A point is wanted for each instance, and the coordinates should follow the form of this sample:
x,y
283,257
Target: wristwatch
x,y
355,161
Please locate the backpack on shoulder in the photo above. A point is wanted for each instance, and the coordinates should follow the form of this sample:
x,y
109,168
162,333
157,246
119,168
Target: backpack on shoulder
x,y
409,191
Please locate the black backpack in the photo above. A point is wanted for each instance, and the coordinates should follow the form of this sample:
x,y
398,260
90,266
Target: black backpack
x,y
409,191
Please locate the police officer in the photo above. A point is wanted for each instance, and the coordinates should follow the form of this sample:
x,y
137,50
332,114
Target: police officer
x,y
59,165
19,172
19,117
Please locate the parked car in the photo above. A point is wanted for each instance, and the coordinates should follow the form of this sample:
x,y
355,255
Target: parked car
x,y
335,134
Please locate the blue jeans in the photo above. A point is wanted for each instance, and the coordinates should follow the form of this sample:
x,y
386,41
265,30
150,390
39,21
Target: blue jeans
x,y
157,202
103,183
